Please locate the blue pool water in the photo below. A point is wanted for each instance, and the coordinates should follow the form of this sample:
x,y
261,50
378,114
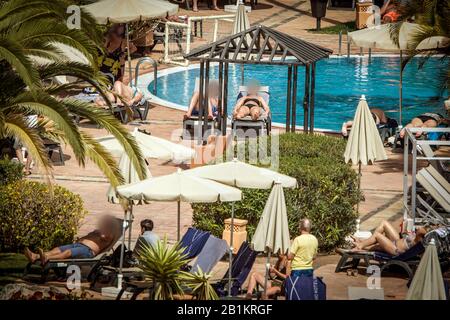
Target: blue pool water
x,y
339,84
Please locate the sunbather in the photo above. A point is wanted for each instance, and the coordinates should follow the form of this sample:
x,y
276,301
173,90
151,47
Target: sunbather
x,y
378,116
195,5
389,11
425,120
385,238
251,105
86,247
213,102
122,94
280,270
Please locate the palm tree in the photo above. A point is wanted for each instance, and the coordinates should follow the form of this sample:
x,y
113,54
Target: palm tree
x,y
433,18
32,33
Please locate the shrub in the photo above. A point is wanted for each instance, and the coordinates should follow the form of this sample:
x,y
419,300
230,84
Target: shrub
x,y
35,214
10,171
327,192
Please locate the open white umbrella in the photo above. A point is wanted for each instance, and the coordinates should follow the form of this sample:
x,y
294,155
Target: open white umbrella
x,y
379,37
364,145
272,232
179,187
242,175
126,11
151,147
428,283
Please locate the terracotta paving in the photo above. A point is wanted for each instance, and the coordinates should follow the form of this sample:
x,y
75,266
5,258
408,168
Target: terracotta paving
x,y
381,183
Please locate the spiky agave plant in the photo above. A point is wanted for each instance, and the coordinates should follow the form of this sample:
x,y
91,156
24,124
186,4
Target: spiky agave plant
x,y
161,264
32,30
199,285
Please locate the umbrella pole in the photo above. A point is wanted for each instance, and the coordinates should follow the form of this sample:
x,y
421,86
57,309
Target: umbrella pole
x,y
401,89
128,52
266,279
122,251
130,224
231,250
178,218
359,186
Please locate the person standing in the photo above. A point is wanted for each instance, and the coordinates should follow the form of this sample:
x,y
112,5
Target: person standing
x,y
303,251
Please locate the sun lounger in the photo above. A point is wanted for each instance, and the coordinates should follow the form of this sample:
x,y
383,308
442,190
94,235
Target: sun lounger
x,y
388,129
240,269
193,242
52,146
210,255
60,266
192,125
442,166
263,124
407,260
433,197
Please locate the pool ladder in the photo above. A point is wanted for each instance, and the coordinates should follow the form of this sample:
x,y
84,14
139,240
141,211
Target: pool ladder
x,y
155,72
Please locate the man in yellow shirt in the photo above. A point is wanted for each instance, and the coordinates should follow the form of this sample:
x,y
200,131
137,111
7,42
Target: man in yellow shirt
x,y
303,251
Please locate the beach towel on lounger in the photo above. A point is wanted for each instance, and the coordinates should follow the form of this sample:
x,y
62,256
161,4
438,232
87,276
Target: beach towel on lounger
x,y
211,253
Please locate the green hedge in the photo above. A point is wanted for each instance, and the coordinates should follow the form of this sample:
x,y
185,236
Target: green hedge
x,y
10,171
35,214
327,192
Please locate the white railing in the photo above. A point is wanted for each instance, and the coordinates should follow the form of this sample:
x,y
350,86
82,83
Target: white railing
x,y
192,29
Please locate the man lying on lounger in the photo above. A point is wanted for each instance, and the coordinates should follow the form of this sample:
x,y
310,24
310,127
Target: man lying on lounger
x,y
251,105
86,247
385,238
379,117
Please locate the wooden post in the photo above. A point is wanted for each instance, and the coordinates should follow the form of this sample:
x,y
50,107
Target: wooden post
x,y
294,99
206,104
288,99
306,100
220,98
311,99
198,129
225,99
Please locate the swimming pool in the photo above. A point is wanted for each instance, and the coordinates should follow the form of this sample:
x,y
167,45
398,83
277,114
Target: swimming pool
x,y
339,84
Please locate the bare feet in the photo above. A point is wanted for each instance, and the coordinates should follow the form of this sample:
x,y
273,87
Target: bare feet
x,y
216,8
186,116
195,9
43,257
248,296
210,117
31,256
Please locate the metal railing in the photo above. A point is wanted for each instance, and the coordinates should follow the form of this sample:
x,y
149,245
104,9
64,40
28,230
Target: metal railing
x,y
410,137
155,72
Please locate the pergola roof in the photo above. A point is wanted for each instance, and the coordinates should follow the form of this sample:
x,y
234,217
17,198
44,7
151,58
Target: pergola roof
x,y
260,44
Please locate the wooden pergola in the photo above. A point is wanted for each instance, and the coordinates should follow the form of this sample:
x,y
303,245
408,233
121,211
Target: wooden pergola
x,y
260,45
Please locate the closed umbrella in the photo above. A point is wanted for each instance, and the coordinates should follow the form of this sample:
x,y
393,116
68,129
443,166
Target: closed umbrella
x,y
364,145
179,187
241,23
379,37
242,175
126,11
272,233
428,283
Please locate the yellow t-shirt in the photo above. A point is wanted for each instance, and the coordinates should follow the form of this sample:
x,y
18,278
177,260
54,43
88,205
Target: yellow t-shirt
x,y
304,248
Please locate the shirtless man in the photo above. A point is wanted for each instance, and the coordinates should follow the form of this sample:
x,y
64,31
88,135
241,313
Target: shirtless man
x,y
378,116
86,247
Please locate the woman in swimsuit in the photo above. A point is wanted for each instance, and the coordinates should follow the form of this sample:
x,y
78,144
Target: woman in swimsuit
x,y
386,238
425,120
251,104
122,94
280,271
213,102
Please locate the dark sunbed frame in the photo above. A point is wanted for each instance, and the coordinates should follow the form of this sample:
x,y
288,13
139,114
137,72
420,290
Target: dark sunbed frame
x,y
408,261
